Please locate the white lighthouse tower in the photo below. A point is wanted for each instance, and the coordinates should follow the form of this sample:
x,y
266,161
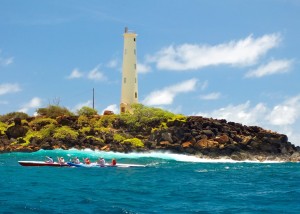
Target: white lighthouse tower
x,y
129,94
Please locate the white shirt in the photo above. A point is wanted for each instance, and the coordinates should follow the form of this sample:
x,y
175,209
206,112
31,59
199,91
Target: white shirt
x,y
102,162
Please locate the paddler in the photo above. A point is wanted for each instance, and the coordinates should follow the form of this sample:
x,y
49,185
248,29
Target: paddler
x,y
61,160
87,161
113,162
101,162
76,160
49,159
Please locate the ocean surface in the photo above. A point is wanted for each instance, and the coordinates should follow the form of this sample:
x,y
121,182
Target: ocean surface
x,y
169,184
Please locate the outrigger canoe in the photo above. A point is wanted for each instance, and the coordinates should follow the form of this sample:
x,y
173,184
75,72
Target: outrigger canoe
x,y
41,163
123,165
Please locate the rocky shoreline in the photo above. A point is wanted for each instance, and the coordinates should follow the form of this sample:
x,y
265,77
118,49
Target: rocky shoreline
x,y
203,137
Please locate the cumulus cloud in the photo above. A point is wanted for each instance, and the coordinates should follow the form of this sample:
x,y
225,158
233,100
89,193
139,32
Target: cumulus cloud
x,y
243,52
32,104
242,113
143,68
273,67
283,117
166,95
9,88
286,113
94,74
75,74
112,63
211,96
113,108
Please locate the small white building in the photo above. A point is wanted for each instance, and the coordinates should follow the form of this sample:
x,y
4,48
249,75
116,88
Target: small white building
x,y
129,93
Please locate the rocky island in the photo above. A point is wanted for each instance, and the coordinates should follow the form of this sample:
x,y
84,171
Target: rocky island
x,y
146,129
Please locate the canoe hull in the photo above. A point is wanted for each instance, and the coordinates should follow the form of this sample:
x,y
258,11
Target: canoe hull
x,y
107,165
41,163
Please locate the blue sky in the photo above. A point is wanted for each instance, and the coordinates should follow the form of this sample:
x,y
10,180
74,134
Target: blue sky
x,y
231,59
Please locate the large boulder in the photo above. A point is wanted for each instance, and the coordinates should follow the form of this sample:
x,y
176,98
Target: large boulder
x,y
16,131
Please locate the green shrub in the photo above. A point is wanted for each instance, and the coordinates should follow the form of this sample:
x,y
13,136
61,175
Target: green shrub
x,y
178,117
119,138
13,115
25,141
103,130
144,117
65,132
135,142
3,128
85,130
105,121
87,111
47,130
31,134
54,111
95,138
39,123
83,120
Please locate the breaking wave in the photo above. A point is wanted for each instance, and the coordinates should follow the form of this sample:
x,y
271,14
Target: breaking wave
x,y
138,155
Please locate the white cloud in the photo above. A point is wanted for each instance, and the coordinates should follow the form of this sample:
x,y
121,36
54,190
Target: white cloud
x,y
5,61
143,68
113,108
112,63
211,96
244,52
167,95
286,113
94,74
273,67
283,118
9,88
33,103
75,74
242,113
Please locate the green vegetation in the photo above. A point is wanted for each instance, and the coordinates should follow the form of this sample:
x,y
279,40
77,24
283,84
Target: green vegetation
x,y
106,121
47,130
85,130
54,111
83,121
103,130
39,122
178,117
87,111
145,118
127,128
29,135
135,142
3,128
65,132
119,138
95,138
11,116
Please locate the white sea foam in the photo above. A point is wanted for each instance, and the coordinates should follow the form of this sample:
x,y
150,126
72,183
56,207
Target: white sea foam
x,y
159,155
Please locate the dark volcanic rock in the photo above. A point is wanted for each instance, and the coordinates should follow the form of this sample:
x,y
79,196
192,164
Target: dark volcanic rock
x,y
204,137
16,131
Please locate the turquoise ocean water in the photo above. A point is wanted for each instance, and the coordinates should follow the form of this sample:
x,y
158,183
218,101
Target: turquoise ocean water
x,y
169,184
